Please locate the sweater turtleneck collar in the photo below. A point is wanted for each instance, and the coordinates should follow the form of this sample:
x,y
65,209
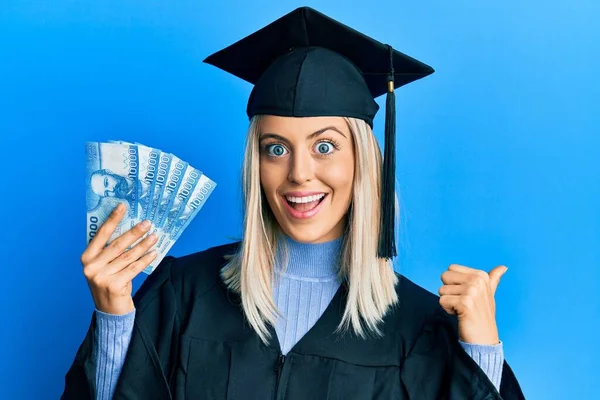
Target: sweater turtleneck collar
x,y
309,260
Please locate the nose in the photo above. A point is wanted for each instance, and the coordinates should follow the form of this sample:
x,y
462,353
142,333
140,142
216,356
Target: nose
x,y
111,185
301,168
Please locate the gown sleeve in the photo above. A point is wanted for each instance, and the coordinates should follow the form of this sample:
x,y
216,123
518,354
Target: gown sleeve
x,y
437,367
149,362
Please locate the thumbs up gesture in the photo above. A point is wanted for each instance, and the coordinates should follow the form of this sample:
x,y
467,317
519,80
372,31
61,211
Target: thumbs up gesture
x,y
469,294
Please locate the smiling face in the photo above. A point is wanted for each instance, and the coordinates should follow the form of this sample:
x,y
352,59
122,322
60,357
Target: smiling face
x,y
307,173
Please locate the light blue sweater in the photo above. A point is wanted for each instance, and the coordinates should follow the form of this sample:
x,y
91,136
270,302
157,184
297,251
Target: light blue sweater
x,y
302,293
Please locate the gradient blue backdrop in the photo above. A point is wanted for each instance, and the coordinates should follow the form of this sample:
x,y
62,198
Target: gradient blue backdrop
x,y
498,156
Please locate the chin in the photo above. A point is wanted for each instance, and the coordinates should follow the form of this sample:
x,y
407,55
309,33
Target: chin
x,y
306,234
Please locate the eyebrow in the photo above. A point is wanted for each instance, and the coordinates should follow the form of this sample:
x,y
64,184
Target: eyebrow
x,y
309,137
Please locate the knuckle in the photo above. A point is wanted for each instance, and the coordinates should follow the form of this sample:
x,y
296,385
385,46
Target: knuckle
x,y
106,225
117,246
482,275
467,302
127,256
150,240
136,265
471,291
139,230
147,260
97,281
87,273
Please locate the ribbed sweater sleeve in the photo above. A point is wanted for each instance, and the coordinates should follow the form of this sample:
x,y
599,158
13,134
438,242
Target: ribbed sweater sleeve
x,y
113,334
489,358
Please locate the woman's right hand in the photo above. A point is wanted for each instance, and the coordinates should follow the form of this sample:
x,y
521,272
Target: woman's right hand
x,y
110,269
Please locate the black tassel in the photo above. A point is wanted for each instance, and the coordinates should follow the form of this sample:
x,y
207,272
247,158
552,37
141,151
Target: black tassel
x,y
387,238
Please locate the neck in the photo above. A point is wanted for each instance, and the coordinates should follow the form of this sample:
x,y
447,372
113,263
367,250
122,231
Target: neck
x,y
309,260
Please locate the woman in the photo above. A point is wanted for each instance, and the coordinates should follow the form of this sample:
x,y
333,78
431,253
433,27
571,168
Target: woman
x,y
307,305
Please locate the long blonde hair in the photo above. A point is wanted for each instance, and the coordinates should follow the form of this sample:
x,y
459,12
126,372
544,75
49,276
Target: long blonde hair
x,y
371,281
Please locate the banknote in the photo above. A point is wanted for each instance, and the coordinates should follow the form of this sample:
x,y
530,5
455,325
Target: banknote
x,y
149,160
162,170
174,178
111,178
191,177
187,213
152,184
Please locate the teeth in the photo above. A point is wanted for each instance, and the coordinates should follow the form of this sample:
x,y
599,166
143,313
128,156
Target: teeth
x,y
306,199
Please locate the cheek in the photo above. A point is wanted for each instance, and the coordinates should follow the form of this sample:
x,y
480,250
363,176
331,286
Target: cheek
x,y
272,177
340,176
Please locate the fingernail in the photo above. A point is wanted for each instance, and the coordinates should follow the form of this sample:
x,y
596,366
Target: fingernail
x,y
145,224
120,207
153,237
153,253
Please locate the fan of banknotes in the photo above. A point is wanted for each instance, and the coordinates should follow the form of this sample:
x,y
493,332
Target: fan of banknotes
x,y
154,185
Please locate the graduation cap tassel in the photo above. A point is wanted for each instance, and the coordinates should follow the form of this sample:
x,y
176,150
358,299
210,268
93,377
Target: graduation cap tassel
x,y
387,242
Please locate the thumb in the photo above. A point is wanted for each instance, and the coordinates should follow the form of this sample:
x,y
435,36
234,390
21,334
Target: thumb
x,y
495,276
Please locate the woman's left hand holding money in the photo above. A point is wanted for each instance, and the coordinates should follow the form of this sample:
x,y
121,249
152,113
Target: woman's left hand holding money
x,y
469,294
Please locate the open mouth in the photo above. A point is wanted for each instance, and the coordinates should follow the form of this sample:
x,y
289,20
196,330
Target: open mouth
x,y
304,207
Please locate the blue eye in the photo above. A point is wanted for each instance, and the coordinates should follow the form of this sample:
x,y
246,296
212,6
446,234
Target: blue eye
x,y
275,150
325,148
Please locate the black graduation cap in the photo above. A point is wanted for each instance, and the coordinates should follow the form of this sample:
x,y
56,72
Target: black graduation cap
x,y
306,64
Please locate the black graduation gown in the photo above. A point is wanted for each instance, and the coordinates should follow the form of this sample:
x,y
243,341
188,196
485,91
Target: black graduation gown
x,y
190,341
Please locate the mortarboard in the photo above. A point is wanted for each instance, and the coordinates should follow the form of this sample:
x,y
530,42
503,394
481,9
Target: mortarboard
x,y
306,64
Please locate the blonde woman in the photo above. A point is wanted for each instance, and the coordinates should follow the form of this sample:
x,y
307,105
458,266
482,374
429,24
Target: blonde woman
x,y
307,305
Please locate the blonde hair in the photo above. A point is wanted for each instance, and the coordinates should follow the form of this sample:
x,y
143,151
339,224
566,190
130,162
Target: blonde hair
x,y
371,281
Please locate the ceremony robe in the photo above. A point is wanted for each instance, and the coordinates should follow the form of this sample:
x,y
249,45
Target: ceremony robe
x,y
190,341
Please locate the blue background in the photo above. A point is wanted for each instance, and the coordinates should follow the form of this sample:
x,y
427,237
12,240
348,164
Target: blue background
x,y
497,154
